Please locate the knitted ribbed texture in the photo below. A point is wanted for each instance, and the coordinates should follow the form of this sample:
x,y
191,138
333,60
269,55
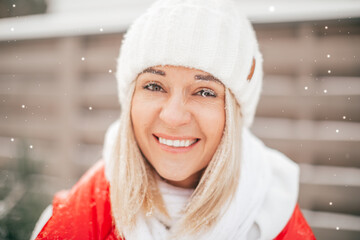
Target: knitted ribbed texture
x,y
209,35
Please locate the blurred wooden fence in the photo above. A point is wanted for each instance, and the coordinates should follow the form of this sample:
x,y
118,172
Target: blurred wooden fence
x,y
59,94
310,110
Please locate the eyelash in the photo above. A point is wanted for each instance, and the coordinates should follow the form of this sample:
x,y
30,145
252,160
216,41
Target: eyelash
x,y
203,92
150,87
206,91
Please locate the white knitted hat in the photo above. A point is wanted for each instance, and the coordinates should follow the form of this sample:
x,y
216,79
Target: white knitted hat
x,y
209,35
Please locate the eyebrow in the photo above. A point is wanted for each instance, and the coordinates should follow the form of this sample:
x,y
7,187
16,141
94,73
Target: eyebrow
x,y
196,77
207,78
154,71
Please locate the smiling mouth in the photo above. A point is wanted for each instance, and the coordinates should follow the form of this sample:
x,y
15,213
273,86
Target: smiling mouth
x,y
177,143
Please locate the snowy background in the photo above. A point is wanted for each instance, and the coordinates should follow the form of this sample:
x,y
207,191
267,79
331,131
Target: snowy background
x,y
58,96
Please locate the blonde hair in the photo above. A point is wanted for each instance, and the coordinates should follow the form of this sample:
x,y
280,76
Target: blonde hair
x,y
133,186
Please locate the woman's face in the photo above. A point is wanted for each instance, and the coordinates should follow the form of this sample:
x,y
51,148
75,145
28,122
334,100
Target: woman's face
x,y
178,117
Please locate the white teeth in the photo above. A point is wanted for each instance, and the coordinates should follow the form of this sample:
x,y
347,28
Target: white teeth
x,y
176,143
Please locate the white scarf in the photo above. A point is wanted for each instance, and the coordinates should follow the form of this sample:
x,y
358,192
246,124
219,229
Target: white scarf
x,y
265,199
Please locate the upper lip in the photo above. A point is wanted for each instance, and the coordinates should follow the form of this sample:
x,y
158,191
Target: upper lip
x,y
174,137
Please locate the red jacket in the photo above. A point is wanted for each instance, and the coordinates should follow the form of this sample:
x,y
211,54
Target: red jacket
x,y
84,212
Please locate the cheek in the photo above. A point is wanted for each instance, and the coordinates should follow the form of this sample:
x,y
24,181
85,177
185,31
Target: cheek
x,y
135,112
138,115
211,120
143,113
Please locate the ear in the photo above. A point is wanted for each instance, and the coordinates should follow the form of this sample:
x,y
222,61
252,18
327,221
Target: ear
x,y
251,70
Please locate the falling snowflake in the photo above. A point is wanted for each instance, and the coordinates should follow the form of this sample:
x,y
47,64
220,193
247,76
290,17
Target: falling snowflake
x,y
101,29
149,213
344,117
337,130
12,29
326,27
325,91
23,106
271,9
306,87
82,59
110,71
14,5
31,146
337,228
328,55
329,71
90,108
12,139
330,203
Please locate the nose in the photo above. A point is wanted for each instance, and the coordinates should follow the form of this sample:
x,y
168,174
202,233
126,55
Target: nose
x,y
174,112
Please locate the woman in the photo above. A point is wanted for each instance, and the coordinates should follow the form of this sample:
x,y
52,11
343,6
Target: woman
x,y
181,163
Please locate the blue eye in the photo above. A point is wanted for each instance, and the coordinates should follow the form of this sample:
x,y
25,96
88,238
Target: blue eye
x,y
206,93
153,87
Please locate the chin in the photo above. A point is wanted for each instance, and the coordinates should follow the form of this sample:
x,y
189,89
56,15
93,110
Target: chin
x,y
173,176
179,179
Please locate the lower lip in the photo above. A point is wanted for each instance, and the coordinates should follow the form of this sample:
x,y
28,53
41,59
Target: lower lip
x,y
176,149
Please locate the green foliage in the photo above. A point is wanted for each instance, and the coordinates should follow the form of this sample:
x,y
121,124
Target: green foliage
x,y
20,218
20,222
